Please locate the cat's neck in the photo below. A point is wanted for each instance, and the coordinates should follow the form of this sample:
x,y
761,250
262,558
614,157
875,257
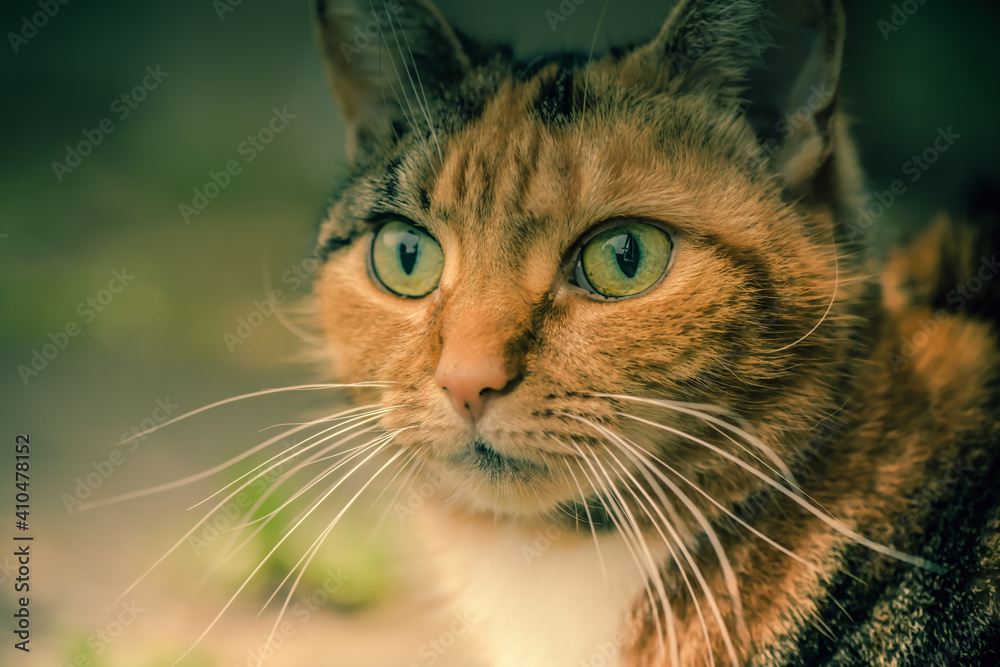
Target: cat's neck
x,y
565,594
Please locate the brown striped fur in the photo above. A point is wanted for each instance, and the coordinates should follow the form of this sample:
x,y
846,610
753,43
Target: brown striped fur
x,y
769,310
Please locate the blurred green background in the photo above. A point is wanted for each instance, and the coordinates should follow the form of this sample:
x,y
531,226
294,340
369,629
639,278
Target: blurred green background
x,y
162,337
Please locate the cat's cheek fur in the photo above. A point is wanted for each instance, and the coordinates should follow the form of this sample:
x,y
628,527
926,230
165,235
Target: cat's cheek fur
x,y
365,325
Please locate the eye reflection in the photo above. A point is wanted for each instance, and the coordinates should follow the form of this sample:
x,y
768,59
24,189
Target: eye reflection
x,y
406,260
623,260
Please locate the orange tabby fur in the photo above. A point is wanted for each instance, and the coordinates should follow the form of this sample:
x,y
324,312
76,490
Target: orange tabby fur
x,y
768,311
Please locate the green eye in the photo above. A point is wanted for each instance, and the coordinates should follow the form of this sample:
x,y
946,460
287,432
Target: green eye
x,y
406,260
623,260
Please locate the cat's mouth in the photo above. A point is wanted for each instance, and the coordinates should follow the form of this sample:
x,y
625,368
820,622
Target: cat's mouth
x,y
489,479
482,459
521,485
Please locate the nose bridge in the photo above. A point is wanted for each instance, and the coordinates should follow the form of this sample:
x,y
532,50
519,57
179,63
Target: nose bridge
x,y
480,351
480,318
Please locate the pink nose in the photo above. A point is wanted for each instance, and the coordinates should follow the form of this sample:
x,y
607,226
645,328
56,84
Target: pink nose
x,y
470,381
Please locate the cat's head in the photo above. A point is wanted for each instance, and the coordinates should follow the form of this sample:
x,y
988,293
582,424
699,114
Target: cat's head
x,y
527,252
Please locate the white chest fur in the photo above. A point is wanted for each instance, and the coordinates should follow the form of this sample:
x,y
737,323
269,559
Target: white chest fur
x,y
537,596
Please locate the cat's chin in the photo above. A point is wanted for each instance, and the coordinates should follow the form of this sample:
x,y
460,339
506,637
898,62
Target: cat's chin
x,y
481,479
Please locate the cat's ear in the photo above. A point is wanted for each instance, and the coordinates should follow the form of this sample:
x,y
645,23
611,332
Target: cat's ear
x,y
779,59
386,61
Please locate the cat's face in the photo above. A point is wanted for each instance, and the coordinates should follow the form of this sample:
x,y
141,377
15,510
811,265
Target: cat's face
x,y
587,230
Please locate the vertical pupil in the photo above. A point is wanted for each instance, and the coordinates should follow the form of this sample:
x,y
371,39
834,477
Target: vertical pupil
x,y
408,246
627,253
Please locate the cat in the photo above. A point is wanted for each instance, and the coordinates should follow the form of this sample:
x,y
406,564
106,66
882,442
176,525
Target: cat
x,y
673,407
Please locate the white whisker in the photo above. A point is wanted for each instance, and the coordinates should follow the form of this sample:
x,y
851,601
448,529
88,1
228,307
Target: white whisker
x,y
411,474
693,410
190,532
410,116
667,541
709,596
833,523
590,521
348,456
275,548
379,445
315,546
228,551
833,299
590,56
160,488
631,527
402,466
279,313
418,89
255,394
730,513
359,420
689,558
729,576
